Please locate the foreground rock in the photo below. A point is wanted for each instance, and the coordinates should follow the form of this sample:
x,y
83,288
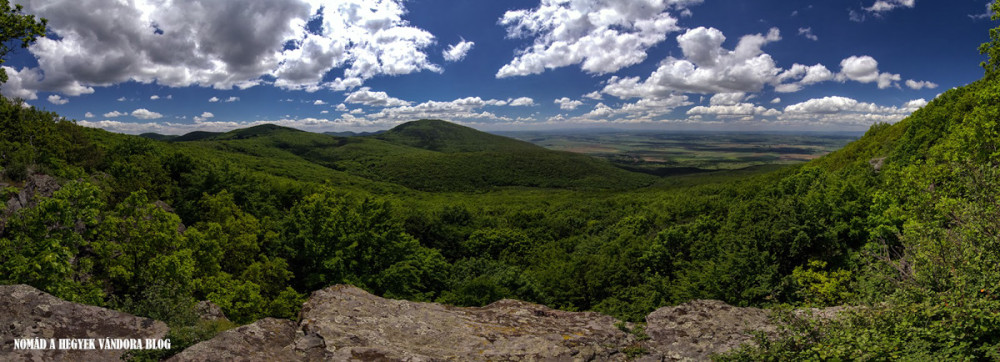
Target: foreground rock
x,y
700,328
26,312
346,323
343,323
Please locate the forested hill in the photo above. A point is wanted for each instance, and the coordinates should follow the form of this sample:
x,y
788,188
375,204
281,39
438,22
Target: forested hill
x,y
441,136
427,155
901,222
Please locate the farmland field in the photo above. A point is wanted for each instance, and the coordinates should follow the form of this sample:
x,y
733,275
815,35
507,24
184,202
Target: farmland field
x,y
686,152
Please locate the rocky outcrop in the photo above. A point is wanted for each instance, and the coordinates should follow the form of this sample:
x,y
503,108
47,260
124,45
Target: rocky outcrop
x,y
268,339
346,323
37,185
208,311
26,312
697,329
343,323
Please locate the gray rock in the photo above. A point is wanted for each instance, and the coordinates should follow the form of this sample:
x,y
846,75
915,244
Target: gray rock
x,y
37,185
26,312
268,339
695,330
346,323
877,163
208,311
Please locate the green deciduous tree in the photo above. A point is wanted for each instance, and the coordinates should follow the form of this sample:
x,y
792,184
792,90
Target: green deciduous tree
x,y
992,47
16,26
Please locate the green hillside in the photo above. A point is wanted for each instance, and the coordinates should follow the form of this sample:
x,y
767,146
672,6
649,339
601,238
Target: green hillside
x,y
474,161
441,136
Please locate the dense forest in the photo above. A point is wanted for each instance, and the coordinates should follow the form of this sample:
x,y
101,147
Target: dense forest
x,y
902,223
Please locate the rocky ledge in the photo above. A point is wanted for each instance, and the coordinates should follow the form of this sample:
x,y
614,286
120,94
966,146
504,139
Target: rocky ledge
x,y
28,313
342,323
346,323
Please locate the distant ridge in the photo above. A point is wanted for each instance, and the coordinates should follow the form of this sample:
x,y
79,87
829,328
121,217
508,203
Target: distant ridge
x,y
195,136
352,134
441,136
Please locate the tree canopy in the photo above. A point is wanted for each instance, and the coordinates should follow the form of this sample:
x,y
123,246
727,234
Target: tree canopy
x,y
17,27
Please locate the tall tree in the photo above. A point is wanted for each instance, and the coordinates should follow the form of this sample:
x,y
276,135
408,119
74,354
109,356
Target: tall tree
x,y
992,48
16,26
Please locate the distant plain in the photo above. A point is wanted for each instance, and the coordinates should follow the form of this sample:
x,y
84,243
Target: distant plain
x,y
667,153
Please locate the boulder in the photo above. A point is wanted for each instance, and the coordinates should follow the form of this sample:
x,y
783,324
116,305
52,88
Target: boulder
x,y
208,311
268,339
26,312
346,323
697,329
37,185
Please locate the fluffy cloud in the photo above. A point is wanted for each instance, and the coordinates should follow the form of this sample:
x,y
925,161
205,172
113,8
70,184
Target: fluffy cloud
x,y
727,99
203,117
196,42
567,104
154,97
232,99
801,76
864,69
706,67
735,110
642,111
375,99
846,111
521,102
603,36
88,115
56,99
143,113
462,109
776,101
457,52
114,114
213,99
882,6
918,85
319,102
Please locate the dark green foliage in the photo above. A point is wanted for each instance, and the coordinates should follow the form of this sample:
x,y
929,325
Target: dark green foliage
x,y
17,27
992,48
441,136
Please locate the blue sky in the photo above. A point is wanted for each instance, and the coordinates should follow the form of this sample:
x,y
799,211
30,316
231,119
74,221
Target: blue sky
x,y
321,65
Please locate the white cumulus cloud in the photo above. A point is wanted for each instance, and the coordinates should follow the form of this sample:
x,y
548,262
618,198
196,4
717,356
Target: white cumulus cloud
x,y
56,99
457,52
367,97
203,117
918,85
603,36
185,43
143,113
568,104
864,69
521,102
